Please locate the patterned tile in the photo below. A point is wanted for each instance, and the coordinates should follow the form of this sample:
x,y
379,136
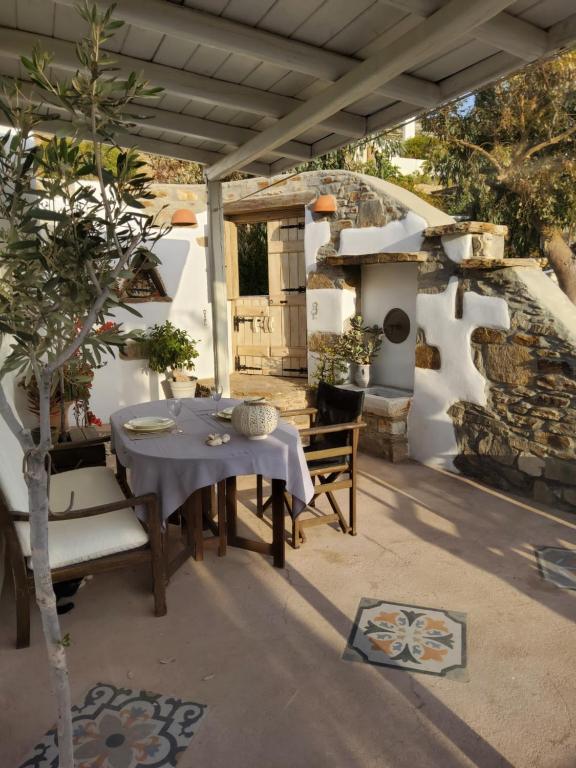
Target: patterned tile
x,y
558,565
120,728
409,637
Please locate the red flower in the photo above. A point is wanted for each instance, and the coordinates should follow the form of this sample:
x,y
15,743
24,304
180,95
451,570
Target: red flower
x,y
93,420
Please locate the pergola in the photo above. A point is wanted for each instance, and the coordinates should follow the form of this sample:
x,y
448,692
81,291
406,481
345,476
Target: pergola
x,y
261,85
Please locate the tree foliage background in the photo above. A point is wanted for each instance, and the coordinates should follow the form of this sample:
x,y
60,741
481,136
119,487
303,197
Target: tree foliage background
x,y
507,155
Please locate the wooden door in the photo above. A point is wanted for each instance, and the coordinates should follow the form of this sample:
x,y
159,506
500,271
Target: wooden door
x,y
270,331
287,287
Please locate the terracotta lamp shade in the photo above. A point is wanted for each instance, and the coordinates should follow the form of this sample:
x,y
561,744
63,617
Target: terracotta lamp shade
x,y
184,218
325,204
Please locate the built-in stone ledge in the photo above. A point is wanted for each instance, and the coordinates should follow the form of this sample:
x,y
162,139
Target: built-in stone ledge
x,y
498,263
385,413
375,258
467,228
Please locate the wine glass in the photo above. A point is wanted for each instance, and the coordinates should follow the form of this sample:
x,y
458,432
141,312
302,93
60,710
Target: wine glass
x,y
216,392
174,408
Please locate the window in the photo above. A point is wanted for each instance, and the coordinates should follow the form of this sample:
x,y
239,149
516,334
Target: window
x,y
146,285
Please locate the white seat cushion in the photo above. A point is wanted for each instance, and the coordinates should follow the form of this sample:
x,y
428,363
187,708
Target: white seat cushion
x,y
75,541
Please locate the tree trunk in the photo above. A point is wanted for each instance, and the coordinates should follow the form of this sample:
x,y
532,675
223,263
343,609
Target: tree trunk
x,y
562,260
37,480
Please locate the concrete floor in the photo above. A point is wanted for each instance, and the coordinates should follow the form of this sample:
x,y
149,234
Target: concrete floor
x,y
262,648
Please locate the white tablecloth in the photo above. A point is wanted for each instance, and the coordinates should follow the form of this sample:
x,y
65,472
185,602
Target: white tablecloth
x,y
175,465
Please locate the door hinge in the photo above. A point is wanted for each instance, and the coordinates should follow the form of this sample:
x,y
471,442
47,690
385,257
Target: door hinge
x,y
295,370
239,367
300,289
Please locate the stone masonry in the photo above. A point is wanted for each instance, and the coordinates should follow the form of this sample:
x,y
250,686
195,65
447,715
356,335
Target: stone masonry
x,y
524,440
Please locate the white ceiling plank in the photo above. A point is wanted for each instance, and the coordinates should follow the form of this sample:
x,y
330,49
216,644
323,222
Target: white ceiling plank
x,y
141,43
562,34
174,52
179,82
36,16
390,116
236,68
286,16
461,57
247,11
265,76
480,74
8,13
365,28
68,26
549,12
453,20
206,60
220,36
329,19
406,24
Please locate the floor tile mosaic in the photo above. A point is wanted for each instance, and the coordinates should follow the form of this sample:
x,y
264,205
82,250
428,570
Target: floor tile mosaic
x,y
409,637
121,728
558,565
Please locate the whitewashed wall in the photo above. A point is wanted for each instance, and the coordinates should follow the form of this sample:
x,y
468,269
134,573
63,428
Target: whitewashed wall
x,y
385,287
183,269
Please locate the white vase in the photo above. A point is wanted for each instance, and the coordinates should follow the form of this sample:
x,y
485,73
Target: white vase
x,y
255,419
361,375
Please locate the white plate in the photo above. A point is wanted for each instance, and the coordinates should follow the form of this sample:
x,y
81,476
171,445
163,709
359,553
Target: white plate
x,y
149,424
226,413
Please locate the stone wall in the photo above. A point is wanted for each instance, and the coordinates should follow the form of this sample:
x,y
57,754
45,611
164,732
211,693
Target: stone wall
x,y
524,439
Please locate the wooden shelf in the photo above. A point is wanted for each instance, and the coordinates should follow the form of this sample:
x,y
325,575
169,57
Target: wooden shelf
x,y
498,263
375,258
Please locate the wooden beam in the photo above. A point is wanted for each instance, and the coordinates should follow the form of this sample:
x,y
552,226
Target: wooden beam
x,y
149,117
180,82
269,202
220,328
504,31
225,34
453,20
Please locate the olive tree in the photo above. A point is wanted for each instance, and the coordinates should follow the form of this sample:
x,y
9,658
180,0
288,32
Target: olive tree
x,y
508,155
66,245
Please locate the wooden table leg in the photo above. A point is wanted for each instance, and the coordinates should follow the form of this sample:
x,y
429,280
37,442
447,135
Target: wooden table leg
x,y
194,535
231,518
278,488
222,518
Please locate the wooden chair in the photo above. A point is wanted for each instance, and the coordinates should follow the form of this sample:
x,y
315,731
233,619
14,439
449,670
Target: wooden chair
x,y
98,532
330,455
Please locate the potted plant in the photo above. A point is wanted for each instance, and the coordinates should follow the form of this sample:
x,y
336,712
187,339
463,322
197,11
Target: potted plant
x,y
359,345
171,351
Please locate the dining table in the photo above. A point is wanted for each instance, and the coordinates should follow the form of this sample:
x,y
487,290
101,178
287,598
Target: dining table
x,y
182,469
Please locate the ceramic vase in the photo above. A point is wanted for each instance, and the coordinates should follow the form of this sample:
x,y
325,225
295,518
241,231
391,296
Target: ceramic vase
x,y
255,419
181,383
361,375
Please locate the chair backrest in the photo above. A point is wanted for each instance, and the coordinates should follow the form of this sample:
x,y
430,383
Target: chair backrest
x,y
12,483
337,406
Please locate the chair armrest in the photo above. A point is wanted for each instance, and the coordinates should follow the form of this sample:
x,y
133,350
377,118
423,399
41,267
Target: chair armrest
x,y
299,412
79,444
149,500
332,428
